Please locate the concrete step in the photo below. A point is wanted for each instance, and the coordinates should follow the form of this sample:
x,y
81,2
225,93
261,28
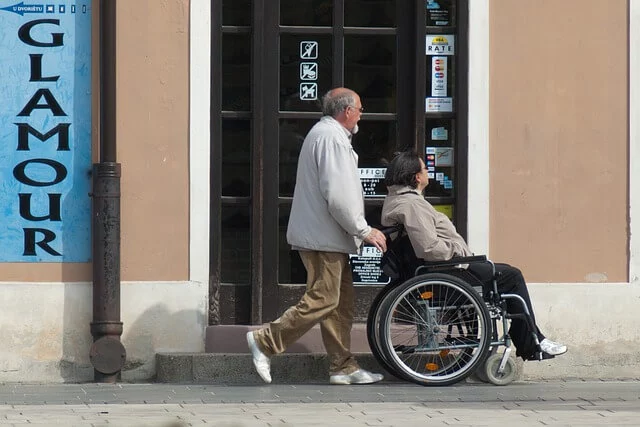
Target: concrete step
x,y
232,339
236,369
226,359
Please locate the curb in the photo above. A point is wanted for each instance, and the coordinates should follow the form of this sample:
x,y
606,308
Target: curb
x,y
221,368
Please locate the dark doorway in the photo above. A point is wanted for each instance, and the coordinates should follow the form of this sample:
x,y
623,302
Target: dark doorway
x,y
272,60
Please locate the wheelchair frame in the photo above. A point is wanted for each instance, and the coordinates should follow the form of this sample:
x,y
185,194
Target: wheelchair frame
x,y
437,329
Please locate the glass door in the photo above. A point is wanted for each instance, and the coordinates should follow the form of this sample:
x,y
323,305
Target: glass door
x,y
272,60
359,44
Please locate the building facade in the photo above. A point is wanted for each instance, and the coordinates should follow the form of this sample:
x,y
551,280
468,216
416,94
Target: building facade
x,y
527,111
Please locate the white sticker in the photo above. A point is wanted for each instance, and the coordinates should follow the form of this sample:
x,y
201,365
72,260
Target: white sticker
x,y
439,105
308,71
308,50
439,134
443,44
439,76
371,252
367,173
444,156
308,91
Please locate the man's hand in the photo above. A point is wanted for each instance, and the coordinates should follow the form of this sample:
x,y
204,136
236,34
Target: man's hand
x,y
377,239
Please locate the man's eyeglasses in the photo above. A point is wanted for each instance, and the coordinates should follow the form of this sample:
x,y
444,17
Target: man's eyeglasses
x,y
361,109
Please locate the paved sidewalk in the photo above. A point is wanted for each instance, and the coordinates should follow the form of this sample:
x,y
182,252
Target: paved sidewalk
x,y
575,403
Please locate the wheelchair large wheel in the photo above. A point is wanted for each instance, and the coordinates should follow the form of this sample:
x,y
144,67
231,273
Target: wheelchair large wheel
x,y
434,329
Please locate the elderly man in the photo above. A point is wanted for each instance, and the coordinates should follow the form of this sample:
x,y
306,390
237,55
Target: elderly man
x,y
326,225
434,238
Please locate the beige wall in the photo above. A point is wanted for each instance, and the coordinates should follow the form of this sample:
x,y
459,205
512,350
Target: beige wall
x,y
558,138
153,147
153,144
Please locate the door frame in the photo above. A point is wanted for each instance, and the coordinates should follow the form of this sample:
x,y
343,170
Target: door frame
x,y
202,131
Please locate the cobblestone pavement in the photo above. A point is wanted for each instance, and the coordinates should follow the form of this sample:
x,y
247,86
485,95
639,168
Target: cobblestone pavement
x,y
573,403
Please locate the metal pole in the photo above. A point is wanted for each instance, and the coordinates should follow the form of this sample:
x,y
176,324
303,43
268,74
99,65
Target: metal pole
x,y
107,354
108,80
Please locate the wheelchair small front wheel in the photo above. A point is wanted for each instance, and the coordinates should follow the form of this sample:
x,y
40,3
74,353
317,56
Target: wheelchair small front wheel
x,y
491,370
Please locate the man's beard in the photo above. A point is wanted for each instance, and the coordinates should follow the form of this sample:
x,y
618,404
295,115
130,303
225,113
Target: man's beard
x,y
355,129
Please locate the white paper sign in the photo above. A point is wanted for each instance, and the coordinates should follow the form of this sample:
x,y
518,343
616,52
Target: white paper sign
x,y
439,105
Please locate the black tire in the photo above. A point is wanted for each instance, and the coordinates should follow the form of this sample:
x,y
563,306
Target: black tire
x,y
373,322
480,372
434,329
386,354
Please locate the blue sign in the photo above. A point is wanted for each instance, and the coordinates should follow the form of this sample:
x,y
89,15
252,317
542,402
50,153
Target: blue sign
x,y
45,131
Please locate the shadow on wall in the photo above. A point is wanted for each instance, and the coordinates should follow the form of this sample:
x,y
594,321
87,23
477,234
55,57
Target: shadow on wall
x,y
144,334
158,329
74,365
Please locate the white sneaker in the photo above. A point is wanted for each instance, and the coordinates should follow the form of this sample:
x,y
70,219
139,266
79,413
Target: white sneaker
x,y
358,377
260,360
552,348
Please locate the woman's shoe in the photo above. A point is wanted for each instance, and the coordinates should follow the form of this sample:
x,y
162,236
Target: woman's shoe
x,y
552,348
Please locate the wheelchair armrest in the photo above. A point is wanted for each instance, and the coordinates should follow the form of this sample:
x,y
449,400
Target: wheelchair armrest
x,y
388,231
455,261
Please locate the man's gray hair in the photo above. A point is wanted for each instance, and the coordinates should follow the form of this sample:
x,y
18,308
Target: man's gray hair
x,y
333,104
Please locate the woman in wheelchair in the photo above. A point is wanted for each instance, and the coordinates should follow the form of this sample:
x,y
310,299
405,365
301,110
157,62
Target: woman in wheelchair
x,y
434,238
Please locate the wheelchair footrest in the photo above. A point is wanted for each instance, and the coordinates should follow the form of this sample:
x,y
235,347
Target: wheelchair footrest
x,y
540,355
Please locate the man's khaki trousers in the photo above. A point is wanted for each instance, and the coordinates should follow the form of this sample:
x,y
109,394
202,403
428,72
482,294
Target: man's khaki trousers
x,y
328,300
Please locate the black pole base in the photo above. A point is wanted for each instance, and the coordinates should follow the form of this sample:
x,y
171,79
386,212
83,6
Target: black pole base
x,y
107,355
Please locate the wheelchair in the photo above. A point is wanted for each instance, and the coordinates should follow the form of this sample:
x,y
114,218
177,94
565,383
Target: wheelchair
x,y
435,323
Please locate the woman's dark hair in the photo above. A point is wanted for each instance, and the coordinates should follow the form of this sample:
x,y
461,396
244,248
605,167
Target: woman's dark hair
x,y
403,169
